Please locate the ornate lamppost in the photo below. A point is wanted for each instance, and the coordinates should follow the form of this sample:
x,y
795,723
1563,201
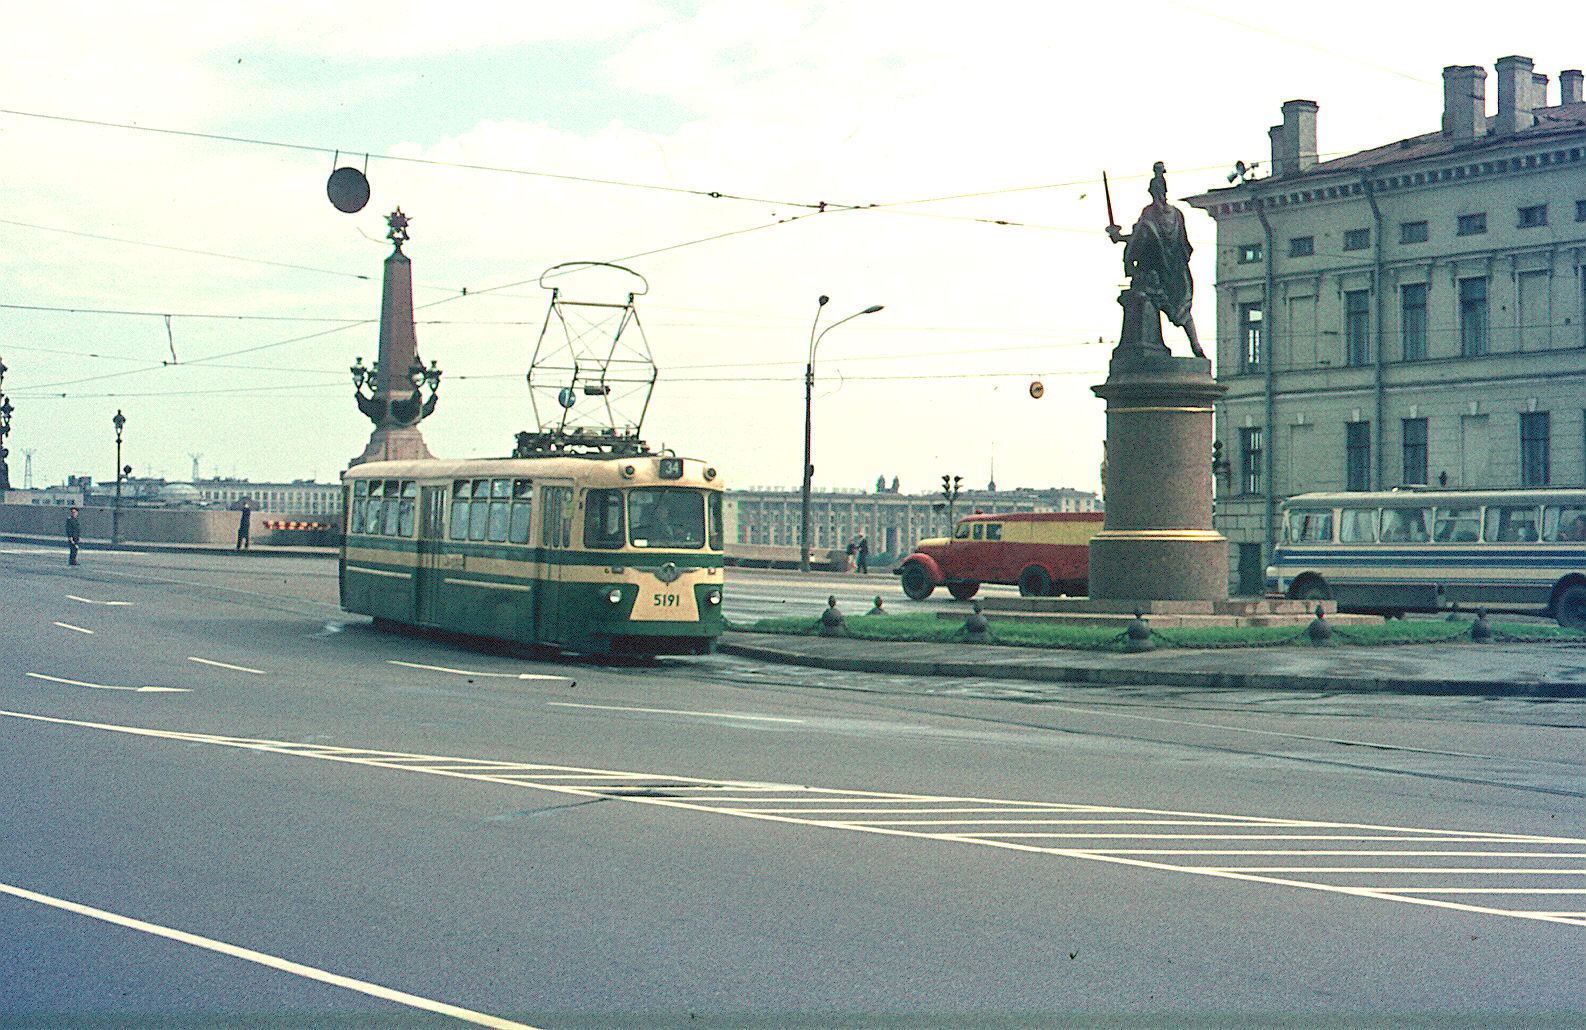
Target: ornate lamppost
x,y
809,392
5,430
122,472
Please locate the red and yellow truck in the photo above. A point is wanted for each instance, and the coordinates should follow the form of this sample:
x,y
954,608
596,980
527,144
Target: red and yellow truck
x,y
1044,552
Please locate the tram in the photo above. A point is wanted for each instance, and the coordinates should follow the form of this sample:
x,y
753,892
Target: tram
x,y
589,553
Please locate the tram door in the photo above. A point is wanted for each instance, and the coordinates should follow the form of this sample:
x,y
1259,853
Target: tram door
x,y
552,613
428,575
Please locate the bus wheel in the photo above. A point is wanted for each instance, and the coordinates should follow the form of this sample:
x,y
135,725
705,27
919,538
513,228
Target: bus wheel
x,y
963,591
1034,581
1311,590
1570,608
916,581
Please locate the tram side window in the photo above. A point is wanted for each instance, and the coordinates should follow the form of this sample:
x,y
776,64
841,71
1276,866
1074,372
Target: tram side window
x,y
603,522
713,503
1357,526
406,507
360,506
1310,525
1507,524
479,510
462,490
522,510
1457,525
1404,526
500,510
1564,522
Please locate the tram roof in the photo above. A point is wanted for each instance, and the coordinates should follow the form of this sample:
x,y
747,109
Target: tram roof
x,y
585,468
1421,497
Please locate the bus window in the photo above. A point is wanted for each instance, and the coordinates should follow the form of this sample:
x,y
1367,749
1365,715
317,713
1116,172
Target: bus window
x,y
603,519
1456,525
977,532
462,489
1564,523
1310,525
522,510
666,517
962,532
1511,524
713,516
1357,526
993,531
1404,525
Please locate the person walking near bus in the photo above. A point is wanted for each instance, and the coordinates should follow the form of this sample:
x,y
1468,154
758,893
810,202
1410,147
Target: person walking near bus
x,y
862,553
73,537
242,526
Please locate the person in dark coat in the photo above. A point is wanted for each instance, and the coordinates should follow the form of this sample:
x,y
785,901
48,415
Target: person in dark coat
x,y
74,537
862,553
242,526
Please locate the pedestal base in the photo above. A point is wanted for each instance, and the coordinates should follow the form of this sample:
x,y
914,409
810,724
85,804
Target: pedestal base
x,y
394,443
1164,564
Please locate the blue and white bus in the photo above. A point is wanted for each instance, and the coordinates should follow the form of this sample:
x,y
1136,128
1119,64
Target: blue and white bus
x,y
1429,550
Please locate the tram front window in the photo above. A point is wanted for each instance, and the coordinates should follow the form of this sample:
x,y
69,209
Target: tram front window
x,y
666,516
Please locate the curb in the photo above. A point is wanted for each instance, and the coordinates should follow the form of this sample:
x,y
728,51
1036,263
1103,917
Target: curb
x,y
265,550
1127,676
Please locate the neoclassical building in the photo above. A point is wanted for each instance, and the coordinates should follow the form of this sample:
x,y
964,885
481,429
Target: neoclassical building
x,y
1410,314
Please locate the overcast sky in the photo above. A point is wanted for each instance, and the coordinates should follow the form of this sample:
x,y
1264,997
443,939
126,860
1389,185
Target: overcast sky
x,y
597,132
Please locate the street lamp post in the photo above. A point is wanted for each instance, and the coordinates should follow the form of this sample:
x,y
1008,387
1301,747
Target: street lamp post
x,y
119,421
809,393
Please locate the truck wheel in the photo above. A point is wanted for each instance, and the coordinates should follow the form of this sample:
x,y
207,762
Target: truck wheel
x,y
1034,581
963,591
1570,608
916,581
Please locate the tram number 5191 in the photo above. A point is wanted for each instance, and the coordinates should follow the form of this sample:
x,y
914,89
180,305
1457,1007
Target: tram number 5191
x,y
660,600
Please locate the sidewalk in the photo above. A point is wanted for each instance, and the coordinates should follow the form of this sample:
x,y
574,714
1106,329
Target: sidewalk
x,y
58,543
1504,670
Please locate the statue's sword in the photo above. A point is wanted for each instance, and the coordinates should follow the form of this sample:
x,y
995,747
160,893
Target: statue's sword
x,y
1107,191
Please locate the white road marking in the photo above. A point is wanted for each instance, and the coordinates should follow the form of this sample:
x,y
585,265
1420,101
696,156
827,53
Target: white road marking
x,y
671,711
20,550
75,629
89,600
758,801
223,665
470,672
373,990
105,686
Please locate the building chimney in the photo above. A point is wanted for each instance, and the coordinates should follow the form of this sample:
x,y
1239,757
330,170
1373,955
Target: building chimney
x,y
1569,86
1538,90
1514,96
1464,101
1299,132
1282,154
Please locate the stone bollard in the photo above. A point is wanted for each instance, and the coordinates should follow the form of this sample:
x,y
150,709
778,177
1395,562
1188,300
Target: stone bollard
x,y
877,610
1453,613
832,619
1137,636
1481,629
977,628
1319,631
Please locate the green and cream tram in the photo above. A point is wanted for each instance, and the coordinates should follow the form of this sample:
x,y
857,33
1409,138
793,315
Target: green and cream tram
x,y
593,554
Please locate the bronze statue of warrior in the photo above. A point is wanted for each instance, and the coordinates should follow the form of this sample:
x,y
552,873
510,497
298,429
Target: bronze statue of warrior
x,y
1156,257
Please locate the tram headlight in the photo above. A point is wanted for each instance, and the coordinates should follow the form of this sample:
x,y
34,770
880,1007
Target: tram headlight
x,y
614,595
713,598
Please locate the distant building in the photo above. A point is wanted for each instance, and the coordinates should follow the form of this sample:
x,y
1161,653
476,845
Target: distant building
x,y
1410,314
301,496
893,522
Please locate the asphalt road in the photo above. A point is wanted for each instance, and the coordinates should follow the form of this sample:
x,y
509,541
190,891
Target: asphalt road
x,y
229,804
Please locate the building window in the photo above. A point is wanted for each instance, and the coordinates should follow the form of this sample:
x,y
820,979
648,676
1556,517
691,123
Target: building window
x,y
1415,451
1249,253
1473,316
1357,327
1251,353
1357,455
1357,239
1535,430
1412,300
1413,232
1250,460
1534,216
1580,211
1472,225
1302,246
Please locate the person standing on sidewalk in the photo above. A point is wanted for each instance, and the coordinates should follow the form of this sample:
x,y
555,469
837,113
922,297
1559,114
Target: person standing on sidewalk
x,y
242,526
74,537
862,553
